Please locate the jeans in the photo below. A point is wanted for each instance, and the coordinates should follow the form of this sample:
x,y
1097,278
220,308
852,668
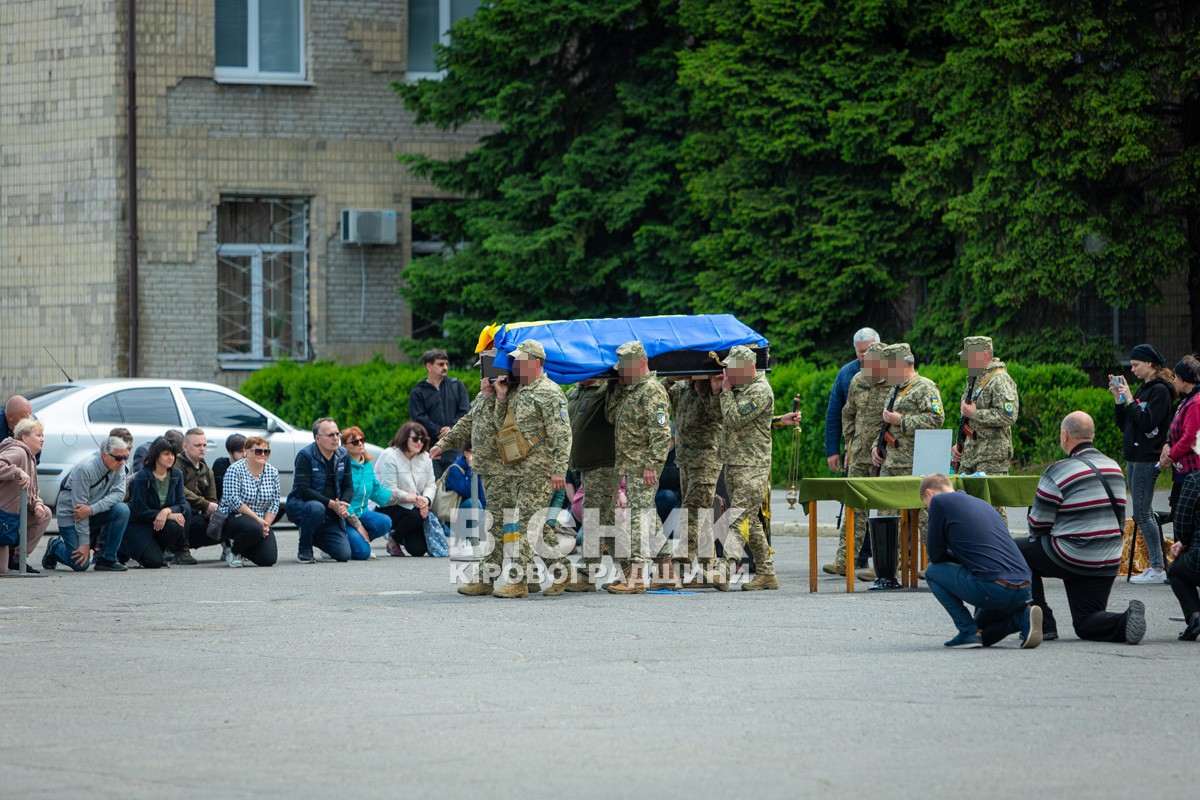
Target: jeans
x,y
116,519
376,525
998,609
1142,475
317,530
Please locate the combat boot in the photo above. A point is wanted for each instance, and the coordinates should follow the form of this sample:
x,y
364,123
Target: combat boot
x,y
835,568
718,576
760,582
579,582
665,575
512,590
633,583
864,574
559,586
477,589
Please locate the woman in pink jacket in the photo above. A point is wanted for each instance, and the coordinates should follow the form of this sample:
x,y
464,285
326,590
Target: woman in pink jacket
x,y
18,470
1182,450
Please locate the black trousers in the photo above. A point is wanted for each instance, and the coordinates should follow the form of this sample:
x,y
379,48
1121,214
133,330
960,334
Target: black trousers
x,y
408,528
147,546
1087,596
197,532
245,537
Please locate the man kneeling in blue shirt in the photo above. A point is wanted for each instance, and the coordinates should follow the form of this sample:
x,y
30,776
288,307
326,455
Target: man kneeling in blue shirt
x,y
973,559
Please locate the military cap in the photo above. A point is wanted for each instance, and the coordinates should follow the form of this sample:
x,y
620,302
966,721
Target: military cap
x,y
530,348
631,351
876,349
741,353
897,352
975,344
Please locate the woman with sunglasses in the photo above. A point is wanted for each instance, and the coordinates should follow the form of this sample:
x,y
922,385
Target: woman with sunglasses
x,y
369,525
158,510
406,470
250,496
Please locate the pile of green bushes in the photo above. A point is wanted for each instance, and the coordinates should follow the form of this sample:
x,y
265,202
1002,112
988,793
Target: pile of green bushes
x,y
374,396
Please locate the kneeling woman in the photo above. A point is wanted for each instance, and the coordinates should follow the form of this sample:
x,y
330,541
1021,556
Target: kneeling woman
x,y
158,510
406,471
250,496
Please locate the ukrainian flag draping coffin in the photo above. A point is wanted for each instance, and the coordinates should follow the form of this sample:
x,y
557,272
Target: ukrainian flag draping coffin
x,y
587,348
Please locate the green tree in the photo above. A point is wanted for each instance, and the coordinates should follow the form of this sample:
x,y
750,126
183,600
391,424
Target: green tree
x,y
572,204
796,109
1064,158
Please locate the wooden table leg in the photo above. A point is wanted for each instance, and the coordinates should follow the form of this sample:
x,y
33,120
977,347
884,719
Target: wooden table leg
x,y
849,549
903,565
812,545
914,537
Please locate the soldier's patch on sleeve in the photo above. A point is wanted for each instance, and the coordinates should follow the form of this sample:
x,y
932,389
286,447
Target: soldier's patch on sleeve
x,y
1008,409
562,410
660,413
936,405
748,407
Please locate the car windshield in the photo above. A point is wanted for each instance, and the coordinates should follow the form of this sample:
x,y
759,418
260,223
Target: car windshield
x,y
40,398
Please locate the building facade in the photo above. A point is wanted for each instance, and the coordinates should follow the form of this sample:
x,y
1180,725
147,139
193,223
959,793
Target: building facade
x,y
257,123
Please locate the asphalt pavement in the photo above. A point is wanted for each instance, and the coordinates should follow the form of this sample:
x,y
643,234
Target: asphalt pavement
x,y
375,679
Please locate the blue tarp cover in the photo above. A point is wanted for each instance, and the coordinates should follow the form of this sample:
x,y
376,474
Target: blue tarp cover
x,y
584,348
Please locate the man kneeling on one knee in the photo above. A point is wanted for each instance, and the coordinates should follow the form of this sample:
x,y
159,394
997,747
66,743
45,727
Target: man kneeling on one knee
x,y
973,559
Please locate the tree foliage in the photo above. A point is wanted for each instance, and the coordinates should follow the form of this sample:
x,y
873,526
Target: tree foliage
x,y
573,206
932,168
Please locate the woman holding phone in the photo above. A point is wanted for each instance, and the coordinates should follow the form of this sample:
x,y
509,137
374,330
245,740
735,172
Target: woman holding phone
x,y
1145,420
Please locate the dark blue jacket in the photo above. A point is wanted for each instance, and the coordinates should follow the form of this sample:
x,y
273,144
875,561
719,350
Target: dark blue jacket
x,y
143,496
458,480
837,401
312,479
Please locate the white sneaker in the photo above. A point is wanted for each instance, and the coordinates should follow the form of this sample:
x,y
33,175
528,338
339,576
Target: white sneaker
x,y
225,551
372,556
1151,575
231,559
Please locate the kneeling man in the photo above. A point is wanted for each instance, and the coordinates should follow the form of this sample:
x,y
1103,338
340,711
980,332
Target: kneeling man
x,y
973,559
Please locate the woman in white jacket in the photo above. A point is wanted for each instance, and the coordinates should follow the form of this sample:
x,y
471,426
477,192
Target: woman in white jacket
x,y
405,468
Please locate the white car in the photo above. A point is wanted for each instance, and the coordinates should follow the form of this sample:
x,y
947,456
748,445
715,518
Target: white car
x,y
78,416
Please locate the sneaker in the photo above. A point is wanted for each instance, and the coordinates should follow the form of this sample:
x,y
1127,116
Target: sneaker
x,y
104,565
1151,575
965,641
372,556
306,557
48,560
225,551
1135,622
233,560
185,557
1031,627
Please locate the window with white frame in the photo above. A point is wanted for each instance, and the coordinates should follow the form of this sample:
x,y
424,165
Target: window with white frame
x,y
429,23
260,40
262,280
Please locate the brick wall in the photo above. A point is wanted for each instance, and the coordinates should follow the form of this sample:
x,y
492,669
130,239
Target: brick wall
x,y
61,191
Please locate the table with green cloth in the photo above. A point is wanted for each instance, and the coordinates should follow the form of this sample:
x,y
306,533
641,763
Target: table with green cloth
x,y
900,493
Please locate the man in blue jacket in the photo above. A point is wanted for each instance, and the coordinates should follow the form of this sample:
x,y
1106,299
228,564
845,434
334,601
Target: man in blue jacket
x,y
322,489
973,559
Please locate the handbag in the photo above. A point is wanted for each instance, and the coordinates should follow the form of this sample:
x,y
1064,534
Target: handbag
x,y
435,537
216,525
446,501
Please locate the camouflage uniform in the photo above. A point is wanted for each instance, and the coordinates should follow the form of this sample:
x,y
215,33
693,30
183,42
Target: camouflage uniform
x,y
919,403
593,454
478,426
641,426
996,409
698,423
540,410
746,451
861,417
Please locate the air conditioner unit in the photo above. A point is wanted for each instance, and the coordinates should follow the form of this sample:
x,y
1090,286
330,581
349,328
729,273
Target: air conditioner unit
x,y
368,226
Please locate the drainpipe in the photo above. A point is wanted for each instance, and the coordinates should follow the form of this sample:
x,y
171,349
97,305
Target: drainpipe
x,y
132,166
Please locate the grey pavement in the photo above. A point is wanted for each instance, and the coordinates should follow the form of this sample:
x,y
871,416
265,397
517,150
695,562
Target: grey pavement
x,y
374,679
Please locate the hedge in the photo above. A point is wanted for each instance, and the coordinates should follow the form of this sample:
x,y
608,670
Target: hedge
x,y
374,396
